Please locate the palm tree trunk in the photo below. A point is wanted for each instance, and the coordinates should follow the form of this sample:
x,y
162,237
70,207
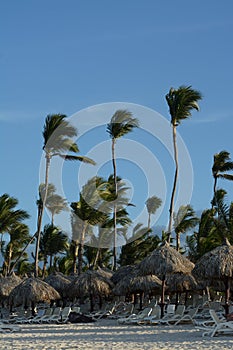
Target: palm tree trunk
x,y
215,188
80,249
96,257
114,206
171,209
177,241
148,224
75,254
40,217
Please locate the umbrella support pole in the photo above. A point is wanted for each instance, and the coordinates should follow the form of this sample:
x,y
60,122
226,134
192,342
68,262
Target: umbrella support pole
x,y
162,304
227,295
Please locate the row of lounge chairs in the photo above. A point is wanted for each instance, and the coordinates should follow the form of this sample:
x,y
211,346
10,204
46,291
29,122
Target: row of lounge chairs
x,y
49,315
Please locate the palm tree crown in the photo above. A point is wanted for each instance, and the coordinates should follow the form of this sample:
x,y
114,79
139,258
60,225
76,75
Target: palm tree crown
x,y
222,164
181,101
122,122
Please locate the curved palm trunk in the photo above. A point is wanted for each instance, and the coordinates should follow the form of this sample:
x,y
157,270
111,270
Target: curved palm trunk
x,y
114,206
80,248
177,241
40,217
215,189
148,224
75,254
171,209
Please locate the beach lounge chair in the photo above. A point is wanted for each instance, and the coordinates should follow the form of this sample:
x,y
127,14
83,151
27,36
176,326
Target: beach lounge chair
x,y
154,316
188,317
171,319
8,328
40,316
64,315
219,326
134,318
54,313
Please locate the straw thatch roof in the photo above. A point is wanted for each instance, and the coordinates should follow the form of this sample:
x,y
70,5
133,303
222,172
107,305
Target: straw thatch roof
x,y
132,282
216,264
180,282
122,272
31,291
7,284
148,283
59,282
165,260
90,282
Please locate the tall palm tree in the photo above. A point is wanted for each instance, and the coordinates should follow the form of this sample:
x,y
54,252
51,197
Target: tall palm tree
x,y
86,213
53,241
181,102
222,164
184,220
10,217
58,136
122,122
152,204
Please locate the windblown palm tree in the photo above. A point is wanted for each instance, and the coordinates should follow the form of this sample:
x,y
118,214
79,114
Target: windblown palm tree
x,y
58,136
122,122
181,102
152,204
222,164
10,217
184,220
86,213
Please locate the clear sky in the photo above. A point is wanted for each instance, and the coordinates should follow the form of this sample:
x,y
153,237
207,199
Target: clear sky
x,y
65,56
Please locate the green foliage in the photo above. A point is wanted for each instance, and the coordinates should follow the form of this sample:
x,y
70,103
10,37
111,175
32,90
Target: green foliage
x,y
138,245
181,102
122,122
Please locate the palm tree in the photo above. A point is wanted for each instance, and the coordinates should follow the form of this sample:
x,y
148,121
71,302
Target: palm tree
x,y
122,122
184,220
181,102
10,217
58,136
222,164
53,241
19,236
86,213
152,204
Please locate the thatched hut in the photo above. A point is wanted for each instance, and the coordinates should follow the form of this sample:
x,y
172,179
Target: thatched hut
x,y
90,284
7,284
217,265
122,272
32,291
165,260
59,282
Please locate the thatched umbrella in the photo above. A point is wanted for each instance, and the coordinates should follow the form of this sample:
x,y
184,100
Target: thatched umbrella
x,y
90,284
7,284
32,291
59,282
123,271
217,265
181,283
162,261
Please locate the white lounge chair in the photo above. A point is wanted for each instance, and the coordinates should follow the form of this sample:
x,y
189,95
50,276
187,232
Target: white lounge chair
x,y
171,319
154,316
134,318
188,317
219,327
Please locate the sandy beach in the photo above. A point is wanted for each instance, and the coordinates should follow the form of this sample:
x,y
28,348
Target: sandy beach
x,y
107,334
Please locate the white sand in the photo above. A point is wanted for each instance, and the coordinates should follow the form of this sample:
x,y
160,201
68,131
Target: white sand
x,y
106,334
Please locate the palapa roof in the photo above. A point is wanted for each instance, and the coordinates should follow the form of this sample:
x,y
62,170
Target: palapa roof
x,y
122,272
133,283
90,282
32,290
59,282
7,284
165,260
179,282
216,264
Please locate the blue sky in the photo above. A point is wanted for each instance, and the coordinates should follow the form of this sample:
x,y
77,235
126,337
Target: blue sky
x,y
63,57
